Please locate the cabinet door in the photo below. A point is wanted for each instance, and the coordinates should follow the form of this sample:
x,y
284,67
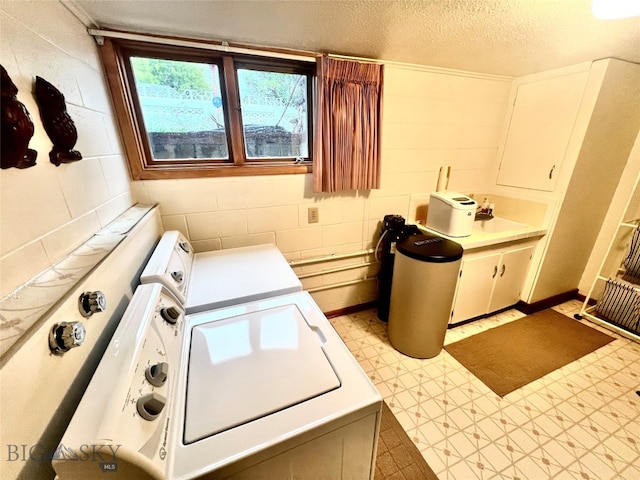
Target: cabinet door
x,y
512,273
475,285
542,119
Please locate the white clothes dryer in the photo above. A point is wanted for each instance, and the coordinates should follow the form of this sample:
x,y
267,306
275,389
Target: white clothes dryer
x,y
261,390
207,280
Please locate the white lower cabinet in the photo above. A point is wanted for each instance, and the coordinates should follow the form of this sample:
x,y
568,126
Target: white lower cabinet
x,y
490,281
475,286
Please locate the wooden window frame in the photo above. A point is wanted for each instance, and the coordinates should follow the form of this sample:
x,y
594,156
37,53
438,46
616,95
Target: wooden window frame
x,y
115,54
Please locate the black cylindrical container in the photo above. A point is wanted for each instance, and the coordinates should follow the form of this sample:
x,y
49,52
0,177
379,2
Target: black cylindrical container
x,y
392,231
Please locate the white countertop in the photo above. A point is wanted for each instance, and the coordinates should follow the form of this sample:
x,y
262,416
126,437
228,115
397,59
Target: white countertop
x,y
484,237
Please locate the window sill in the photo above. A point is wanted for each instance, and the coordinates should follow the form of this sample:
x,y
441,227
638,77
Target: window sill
x,y
184,171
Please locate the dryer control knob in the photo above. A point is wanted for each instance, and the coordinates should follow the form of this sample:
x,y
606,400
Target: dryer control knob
x,y
185,246
170,315
177,276
66,335
92,302
149,406
156,374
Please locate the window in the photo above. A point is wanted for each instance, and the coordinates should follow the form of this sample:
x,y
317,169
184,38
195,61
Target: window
x,y
187,112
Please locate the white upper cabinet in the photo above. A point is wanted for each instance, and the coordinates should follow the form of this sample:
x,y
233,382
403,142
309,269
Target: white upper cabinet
x,y
542,119
568,136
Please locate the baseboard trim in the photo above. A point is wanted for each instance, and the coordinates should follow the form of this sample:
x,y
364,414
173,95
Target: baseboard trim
x,y
591,302
529,308
526,308
350,309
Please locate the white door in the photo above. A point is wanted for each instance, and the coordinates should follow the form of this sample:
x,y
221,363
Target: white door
x,y
541,124
475,286
510,278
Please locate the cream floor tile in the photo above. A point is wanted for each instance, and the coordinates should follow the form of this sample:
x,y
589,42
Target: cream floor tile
x,y
630,473
578,422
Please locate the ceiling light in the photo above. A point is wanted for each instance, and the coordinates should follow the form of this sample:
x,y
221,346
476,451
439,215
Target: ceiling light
x,y
614,9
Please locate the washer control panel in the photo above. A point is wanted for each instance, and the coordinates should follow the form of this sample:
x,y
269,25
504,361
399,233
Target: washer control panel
x,y
157,360
130,394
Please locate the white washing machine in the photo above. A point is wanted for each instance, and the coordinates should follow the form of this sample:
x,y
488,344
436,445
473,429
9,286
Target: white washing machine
x,y
207,280
262,390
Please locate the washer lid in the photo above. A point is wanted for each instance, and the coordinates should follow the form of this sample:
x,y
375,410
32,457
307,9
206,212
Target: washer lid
x,y
247,367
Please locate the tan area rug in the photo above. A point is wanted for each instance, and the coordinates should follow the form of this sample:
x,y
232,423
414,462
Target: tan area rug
x,y
398,458
510,356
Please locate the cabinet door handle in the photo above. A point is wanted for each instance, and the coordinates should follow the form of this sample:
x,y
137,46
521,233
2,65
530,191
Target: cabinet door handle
x,y
504,267
495,271
551,172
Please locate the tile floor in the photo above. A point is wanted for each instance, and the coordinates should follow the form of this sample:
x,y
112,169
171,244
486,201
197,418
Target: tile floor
x,y
580,422
397,457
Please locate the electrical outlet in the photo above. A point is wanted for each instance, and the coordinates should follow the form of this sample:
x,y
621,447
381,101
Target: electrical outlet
x,y
313,215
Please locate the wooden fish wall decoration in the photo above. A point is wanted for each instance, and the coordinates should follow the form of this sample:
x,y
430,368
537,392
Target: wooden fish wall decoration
x,y
57,123
17,127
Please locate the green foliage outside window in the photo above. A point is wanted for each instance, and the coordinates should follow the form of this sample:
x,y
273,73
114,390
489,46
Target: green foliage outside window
x,y
182,76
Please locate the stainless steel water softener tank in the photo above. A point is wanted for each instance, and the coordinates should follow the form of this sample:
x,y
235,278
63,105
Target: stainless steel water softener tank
x,y
425,273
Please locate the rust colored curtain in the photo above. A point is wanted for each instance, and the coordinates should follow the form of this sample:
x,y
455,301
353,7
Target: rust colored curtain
x,y
346,153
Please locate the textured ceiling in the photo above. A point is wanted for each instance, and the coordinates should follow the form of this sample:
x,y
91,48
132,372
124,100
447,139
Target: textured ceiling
x,y
501,37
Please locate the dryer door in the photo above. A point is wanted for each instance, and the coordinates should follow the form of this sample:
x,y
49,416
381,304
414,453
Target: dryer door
x,y
237,275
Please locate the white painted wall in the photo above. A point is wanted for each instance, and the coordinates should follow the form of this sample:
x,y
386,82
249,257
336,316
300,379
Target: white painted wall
x,y
47,211
431,118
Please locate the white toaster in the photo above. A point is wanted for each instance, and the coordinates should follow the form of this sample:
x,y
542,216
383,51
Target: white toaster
x,y
451,213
